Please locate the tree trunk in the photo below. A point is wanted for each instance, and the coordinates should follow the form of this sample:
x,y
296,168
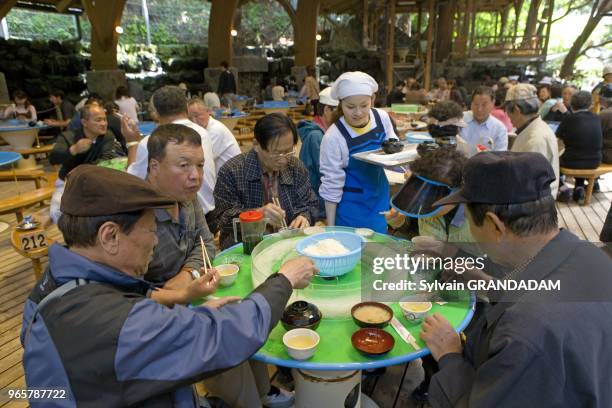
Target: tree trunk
x,y
597,13
504,20
532,21
518,7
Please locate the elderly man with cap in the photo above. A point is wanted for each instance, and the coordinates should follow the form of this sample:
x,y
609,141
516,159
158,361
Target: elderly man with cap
x,y
355,192
533,134
311,134
89,327
171,107
541,348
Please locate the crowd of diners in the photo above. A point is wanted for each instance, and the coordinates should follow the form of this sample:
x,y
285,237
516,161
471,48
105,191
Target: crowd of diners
x,y
108,322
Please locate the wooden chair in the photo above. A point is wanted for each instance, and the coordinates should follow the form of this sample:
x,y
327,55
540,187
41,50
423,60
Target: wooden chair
x,y
590,175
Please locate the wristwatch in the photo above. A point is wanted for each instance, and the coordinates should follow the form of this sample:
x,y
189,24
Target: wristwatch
x,y
195,274
130,144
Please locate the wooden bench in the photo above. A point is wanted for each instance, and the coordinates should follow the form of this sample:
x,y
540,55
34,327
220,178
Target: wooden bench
x,y
45,149
20,202
35,175
590,175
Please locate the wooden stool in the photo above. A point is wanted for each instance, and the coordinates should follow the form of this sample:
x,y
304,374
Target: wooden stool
x,y
590,175
32,244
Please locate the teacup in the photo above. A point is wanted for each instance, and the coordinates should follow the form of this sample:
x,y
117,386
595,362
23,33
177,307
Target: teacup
x,y
301,343
228,273
415,307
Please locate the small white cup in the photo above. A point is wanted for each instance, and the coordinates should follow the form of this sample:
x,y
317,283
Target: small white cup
x,y
410,313
297,352
228,273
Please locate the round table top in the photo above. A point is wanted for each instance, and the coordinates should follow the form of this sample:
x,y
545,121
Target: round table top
x,y
147,127
335,351
13,125
9,157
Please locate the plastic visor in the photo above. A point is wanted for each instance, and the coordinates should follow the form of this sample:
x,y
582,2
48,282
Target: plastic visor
x,y
417,195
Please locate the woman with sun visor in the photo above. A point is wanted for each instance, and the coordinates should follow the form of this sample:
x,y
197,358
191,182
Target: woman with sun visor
x,y
434,175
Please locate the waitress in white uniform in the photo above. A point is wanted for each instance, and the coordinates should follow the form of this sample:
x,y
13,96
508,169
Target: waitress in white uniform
x,y
355,192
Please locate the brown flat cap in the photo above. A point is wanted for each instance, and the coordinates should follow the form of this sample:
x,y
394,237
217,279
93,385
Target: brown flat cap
x,y
93,191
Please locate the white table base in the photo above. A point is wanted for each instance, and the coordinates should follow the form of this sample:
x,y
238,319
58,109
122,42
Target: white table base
x,y
315,389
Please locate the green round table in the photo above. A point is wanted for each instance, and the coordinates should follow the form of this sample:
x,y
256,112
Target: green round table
x,y
335,351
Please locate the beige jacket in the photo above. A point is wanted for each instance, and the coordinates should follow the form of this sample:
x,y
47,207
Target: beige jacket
x,y
539,137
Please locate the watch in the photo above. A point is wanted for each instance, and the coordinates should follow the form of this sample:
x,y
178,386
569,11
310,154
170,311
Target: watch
x,y
195,274
130,144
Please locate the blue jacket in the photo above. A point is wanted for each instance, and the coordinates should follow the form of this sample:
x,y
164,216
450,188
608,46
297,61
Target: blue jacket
x,y
109,345
311,136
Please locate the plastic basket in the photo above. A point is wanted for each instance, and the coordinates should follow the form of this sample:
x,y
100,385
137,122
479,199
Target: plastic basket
x,y
335,265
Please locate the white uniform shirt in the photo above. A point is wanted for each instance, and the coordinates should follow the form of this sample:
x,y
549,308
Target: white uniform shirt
x,y
129,107
334,156
224,144
491,133
205,195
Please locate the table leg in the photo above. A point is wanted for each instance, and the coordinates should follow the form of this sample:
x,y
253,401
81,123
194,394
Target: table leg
x,y
329,389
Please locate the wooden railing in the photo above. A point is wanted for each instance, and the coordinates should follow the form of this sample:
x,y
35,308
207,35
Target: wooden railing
x,y
508,45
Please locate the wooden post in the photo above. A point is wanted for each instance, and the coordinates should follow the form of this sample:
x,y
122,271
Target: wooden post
x,y
419,28
305,32
428,60
219,27
5,7
104,17
364,38
444,35
390,44
551,7
465,33
472,25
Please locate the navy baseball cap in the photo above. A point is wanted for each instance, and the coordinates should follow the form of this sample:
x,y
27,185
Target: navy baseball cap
x,y
503,178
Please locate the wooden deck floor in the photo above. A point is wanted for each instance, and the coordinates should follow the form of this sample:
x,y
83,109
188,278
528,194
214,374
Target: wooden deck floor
x,y
17,279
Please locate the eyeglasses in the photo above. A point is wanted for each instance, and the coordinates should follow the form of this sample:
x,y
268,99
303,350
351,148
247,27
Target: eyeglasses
x,y
278,156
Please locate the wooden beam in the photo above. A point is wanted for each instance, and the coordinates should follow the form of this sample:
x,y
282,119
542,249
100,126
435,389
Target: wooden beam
x,y
390,44
104,18
444,35
366,14
305,32
62,5
428,59
5,7
551,7
219,27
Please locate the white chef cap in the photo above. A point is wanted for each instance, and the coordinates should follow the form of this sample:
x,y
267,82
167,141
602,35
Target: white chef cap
x,y
353,83
326,99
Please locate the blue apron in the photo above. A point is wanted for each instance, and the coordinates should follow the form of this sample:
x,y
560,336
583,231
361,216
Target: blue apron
x,y
366,188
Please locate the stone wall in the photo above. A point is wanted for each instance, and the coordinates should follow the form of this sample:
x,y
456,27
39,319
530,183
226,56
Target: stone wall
x,y
38,66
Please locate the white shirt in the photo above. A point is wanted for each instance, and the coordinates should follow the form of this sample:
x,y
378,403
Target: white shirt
x,y
334,156
224,143
205,195
491,133
278,93
212,100
129,107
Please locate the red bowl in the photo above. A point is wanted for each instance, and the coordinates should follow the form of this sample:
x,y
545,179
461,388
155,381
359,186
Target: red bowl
x,y
372,341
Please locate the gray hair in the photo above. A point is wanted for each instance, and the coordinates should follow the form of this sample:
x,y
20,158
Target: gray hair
x,y
169,101
581,100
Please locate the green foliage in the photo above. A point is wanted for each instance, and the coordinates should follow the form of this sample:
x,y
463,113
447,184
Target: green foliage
x,y
40,25
262,22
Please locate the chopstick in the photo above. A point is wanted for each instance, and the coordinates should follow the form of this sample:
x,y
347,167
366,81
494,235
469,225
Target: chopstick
x,y
276,202
205,257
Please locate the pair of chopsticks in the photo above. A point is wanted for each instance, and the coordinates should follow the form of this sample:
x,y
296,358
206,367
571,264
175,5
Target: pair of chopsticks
x,y
205,257
276,202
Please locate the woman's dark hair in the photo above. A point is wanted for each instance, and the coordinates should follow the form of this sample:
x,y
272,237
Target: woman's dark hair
x,y
224,64
273,126
525,219
500,95
121,92
556,91
310,70
446,110
83,231
442,163
22,95
171,132
415,86
581,100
